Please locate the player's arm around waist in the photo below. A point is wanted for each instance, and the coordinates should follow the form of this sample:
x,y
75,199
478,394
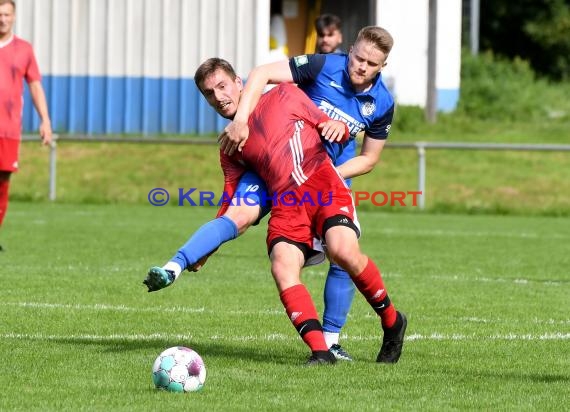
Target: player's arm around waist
x,y
365,161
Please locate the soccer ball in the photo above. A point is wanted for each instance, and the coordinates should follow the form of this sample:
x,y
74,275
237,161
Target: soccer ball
x,y
179,369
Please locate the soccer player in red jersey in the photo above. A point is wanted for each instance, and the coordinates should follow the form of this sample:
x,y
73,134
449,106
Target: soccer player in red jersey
x,y
17,62
310,200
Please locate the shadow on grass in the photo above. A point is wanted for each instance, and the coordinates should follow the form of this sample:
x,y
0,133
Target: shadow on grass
x,y
221,350
535,377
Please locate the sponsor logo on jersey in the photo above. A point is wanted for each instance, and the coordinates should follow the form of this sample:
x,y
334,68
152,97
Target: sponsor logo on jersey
x,y
354,126
367,109
301,60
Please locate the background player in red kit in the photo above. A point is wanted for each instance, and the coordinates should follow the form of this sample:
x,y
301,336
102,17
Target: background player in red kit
x,y
17,62
285,149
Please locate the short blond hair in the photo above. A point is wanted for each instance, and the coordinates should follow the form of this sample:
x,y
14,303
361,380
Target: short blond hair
x,y
378,36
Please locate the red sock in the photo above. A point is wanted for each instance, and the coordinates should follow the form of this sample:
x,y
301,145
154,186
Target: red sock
x,y
4,185
303,314
370,284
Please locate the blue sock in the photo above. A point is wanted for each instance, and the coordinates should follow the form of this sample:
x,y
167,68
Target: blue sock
x,y
339,292
206,239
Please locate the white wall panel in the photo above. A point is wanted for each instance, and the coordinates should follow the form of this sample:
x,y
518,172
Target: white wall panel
x,y
79,36
97,40
116,36
449,43
189,38
148,38
152,38
42,38
170,37
407,63
134,36
126,66
60,36
24,26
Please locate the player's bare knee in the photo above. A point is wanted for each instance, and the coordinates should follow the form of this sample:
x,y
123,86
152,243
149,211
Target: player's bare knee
x,y
348,256
341,237
286,262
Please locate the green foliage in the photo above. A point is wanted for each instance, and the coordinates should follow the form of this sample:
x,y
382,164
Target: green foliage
x,y
534,30
551,30
493,88
408,119
486,299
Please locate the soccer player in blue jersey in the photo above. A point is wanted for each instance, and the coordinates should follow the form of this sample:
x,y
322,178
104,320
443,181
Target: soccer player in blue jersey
x,y
346,87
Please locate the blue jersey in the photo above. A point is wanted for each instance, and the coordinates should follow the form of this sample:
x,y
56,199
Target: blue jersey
x,y
324,78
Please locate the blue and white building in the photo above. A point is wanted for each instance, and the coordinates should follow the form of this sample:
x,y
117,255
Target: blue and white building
x,y
127,66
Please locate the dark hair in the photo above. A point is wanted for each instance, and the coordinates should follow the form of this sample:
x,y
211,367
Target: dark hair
x,y
378,36
209,67
325,21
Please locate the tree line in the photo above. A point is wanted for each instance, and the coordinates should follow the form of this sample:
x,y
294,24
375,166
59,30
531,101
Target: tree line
x,y
534,30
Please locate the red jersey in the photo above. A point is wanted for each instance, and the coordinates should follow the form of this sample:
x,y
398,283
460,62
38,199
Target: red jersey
x,y
17,62
284,147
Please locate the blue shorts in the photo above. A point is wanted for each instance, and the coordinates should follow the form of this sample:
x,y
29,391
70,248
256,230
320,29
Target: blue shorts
x,y
251,190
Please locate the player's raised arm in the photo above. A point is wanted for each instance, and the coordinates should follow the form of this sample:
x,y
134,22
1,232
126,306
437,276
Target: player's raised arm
x,y
236,133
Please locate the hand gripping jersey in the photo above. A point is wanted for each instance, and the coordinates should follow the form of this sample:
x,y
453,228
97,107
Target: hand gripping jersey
x,y
324,77
284,147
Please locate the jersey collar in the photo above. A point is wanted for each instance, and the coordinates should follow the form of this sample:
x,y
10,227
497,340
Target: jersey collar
x,y
7,42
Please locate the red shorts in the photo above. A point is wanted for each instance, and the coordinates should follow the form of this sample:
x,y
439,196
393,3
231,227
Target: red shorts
x,y
299,215
9,154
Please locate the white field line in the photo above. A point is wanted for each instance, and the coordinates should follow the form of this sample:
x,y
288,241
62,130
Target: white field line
x,y
102,307
483,279
455,233
122,308
474,319
281,337
267,312
467,277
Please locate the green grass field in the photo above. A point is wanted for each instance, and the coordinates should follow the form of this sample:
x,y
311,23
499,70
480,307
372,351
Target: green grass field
x,y
477,182
486,299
